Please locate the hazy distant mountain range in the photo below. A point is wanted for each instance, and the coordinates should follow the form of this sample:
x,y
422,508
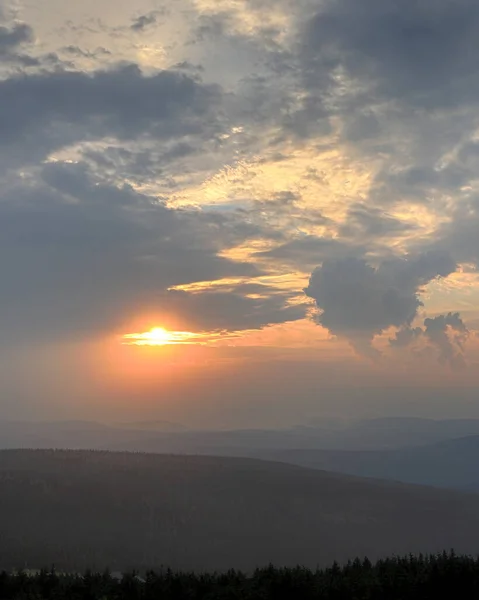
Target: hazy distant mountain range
x,y
452,463
332,434
79,509
422,451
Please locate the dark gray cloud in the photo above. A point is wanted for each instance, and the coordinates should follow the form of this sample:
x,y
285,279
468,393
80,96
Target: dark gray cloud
x,y
78,255
422,182
420,51
308,250
77,51
459,235
120,102
46,111
364,223
156,163
358,301
311,119
406,336
145,21
13,37
232,310
399,80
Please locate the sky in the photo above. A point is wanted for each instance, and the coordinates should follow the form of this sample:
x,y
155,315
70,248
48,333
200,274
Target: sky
x,y
239,213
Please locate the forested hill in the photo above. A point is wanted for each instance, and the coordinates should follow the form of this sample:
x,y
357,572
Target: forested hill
x,y
80,509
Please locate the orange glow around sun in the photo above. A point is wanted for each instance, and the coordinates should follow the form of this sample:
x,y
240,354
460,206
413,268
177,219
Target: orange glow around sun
x,y
158,336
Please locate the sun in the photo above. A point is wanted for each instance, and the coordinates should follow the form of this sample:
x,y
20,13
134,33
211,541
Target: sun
x,y
159,336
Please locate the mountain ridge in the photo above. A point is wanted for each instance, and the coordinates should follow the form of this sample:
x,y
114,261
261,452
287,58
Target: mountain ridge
x,y
79,509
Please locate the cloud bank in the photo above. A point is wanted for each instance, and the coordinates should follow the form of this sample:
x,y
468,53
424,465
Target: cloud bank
x,y
358,301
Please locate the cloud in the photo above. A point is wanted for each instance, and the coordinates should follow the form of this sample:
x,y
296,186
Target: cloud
x,y
399,83
358,301
237,309
447,333
436,330
459,235
77,51
417,52
78,255
308,250
47,111
406,336
13,37
147,162
364,223
144,21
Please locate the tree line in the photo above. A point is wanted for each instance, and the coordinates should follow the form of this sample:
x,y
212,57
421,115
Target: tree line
x,y
433,577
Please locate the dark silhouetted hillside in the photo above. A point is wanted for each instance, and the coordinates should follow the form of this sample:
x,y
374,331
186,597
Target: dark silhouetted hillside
x,y
98,509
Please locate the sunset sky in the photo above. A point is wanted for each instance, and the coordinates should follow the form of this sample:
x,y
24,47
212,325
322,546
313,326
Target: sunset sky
x,y
239,212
